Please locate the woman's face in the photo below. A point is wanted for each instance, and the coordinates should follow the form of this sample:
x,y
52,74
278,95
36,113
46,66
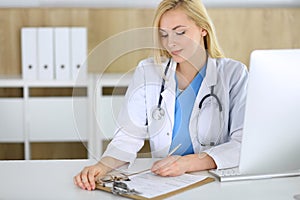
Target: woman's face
x,y
180,35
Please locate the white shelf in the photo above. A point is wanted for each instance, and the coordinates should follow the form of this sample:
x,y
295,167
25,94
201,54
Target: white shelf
x,y
11,81
113,79
55,84
17,81
26,118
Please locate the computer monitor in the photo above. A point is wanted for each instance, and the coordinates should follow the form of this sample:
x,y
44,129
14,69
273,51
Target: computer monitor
x,y
271,135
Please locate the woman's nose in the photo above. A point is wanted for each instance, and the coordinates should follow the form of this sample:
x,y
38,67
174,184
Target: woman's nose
x,y
171,41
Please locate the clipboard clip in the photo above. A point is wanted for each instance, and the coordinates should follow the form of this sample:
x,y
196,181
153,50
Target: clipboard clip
x,y
120,188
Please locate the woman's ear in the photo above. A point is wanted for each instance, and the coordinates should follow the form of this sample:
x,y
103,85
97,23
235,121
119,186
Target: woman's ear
x,y
203,32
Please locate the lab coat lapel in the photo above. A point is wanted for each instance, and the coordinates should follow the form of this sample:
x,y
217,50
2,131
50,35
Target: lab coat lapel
x,y
209,80
168,103
169,93
211,72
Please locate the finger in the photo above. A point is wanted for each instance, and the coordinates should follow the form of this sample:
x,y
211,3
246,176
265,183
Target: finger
x,y
168,171
75,180
158,164
91,178
155,168
160,169
166,162
85,180
163,171
99,178
78,182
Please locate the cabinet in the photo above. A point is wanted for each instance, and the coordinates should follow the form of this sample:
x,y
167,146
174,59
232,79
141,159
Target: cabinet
x,y
109,90
44,112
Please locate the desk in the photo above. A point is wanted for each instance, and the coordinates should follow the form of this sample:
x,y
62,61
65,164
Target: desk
x,y
53,179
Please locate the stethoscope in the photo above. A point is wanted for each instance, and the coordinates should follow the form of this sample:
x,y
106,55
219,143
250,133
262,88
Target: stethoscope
x,y
158,113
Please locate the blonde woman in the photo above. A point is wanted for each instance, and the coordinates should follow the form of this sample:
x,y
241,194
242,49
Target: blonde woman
x,y
188,96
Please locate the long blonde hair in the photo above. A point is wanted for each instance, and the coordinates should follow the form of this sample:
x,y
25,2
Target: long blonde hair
x,y
197,12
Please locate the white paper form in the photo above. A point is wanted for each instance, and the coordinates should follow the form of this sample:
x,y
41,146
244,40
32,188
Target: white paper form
x,y
151,185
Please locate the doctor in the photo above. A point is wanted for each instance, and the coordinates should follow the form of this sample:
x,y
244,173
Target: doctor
x,y
187,95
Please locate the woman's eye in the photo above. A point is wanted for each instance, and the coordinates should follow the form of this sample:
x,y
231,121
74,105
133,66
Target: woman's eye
x,y
163,35
180,33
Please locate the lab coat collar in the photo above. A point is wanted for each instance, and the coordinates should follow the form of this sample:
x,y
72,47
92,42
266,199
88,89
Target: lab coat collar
x,y
210,78
211,72
169,93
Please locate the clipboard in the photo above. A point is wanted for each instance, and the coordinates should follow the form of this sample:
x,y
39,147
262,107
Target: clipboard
x,y
163,196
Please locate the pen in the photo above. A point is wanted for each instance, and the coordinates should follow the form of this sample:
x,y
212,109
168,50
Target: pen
x,y
171,152
175,149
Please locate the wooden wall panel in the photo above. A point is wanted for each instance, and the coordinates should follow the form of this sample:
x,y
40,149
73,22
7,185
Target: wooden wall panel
x,y
12,151
240,30
109,23
58,150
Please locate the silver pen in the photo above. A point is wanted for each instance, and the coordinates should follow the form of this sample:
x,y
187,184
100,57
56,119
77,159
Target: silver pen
x,y
146,170
175,149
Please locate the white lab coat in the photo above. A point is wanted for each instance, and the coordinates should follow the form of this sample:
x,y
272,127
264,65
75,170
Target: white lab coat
x,y
135,122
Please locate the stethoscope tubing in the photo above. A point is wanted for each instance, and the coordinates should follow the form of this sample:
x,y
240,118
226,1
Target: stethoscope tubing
x,y
162,88
211,95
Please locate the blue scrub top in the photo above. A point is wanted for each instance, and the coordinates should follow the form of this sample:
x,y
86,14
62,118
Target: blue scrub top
x,y
183,109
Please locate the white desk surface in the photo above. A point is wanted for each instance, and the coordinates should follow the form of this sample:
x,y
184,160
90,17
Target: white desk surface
x,y
53,179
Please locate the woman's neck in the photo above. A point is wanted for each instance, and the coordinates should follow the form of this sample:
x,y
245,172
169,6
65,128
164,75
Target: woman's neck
x,y
185,73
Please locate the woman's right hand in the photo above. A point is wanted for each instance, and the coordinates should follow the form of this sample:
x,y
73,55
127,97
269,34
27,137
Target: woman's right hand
x,y
86,179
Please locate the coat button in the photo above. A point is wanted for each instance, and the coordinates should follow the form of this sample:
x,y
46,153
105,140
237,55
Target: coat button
x,y
168,133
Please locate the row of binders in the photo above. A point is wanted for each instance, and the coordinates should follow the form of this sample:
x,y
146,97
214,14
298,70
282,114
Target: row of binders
x,y
54,53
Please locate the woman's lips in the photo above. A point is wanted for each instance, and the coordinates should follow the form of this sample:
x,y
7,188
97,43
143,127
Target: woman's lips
x,y
177,52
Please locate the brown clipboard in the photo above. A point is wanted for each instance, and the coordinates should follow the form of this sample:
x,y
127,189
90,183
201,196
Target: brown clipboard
x,y
163,196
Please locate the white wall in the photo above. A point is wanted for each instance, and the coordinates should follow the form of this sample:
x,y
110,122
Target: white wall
x,y
144,3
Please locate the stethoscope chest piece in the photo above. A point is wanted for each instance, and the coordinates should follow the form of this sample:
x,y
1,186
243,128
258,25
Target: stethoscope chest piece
x,y
158,113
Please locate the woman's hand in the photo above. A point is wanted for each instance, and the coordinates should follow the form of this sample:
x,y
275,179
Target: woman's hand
x,y
87,178
171,166
178,165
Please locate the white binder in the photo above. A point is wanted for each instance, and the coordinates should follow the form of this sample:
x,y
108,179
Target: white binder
x,y
62,53
79,53
29,53
45,54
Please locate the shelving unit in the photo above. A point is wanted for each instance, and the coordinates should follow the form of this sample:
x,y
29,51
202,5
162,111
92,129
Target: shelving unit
x,y
34,116
39,114
109,90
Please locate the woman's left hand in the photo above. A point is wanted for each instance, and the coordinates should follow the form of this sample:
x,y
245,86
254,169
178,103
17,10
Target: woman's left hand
x,y
171,166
